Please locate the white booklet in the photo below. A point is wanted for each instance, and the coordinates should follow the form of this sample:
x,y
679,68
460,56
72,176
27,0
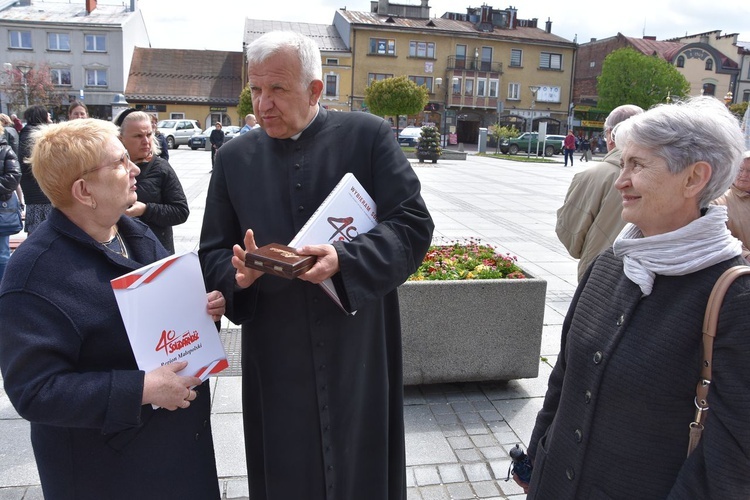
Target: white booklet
x,y
347,211
163,307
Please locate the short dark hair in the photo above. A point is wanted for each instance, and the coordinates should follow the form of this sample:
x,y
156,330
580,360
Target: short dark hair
x,y
36,115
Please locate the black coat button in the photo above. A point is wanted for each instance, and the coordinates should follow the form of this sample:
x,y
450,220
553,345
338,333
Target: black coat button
x,y
621,320
570,473
598,357
578,435
587,396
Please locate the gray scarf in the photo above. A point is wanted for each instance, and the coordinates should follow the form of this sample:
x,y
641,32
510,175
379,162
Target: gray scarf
x,y
702,243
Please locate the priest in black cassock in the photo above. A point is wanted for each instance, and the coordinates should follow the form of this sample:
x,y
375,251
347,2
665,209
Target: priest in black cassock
x,y
322,389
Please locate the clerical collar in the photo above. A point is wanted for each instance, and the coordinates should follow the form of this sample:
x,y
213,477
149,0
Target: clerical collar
x,y
296,136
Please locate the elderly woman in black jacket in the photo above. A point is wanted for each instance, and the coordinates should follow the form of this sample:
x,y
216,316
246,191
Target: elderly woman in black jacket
x,y
616,416
161,201
65,357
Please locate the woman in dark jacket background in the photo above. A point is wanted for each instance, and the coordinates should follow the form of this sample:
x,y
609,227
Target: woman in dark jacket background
x,y
10,175
38,206
161,201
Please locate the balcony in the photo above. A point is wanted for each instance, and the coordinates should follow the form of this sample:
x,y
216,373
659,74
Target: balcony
x,y
474,64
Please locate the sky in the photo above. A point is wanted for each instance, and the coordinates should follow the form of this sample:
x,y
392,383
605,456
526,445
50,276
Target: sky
x,y
219,24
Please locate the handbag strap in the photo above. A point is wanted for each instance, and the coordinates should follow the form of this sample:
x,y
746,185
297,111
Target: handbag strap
x,y
710,323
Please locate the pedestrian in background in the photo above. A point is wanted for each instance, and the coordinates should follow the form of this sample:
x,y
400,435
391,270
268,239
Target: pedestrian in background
x,y
585,150
77,111
10,176
569,147
737,201
38,205
250,123
161,201
161,147
11,136
323,384
217,140
65,356
589,220
16,123
616,417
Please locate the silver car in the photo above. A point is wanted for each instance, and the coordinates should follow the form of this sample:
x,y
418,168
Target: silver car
x,y
178,132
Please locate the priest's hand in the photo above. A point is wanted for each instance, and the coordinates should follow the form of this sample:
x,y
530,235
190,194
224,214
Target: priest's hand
x,y
244,276
326,266
217,305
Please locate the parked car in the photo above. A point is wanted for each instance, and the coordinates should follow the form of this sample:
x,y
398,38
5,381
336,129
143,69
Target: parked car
x,y
178,132
552,144
409,136
199,140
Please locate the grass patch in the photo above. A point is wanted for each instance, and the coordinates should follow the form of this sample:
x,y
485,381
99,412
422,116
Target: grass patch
x,y
519,158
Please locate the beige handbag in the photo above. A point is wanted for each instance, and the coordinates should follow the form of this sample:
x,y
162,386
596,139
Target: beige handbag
x,y
710,322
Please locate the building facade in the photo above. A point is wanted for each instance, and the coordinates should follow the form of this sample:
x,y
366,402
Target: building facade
x,y
87,48
480,68
202,85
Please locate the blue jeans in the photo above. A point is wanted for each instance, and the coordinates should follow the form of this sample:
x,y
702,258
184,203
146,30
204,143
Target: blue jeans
x,y
569,153
4,253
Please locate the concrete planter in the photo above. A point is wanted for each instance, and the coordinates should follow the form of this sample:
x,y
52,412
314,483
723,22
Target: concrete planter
x,y
471,330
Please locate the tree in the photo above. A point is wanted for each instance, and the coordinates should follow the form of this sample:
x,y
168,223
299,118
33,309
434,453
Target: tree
x,y
428,147
631,77
739,109
245,106
395,96
501,133
39,87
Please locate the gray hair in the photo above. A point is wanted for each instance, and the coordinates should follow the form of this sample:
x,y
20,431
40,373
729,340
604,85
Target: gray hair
x,y
620,114
305,48
689,131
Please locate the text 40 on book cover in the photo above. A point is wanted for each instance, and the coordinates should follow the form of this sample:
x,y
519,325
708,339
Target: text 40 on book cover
x,y
163,307
348,211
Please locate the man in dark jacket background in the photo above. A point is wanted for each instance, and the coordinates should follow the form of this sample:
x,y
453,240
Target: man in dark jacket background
x,y
217,139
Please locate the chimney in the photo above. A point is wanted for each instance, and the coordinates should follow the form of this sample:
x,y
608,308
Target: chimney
x,y
90,6
548,26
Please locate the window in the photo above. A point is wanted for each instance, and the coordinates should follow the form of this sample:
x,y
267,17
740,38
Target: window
x,y
383,46
592,64
681,62
516,58
95,43
20,39
422,80
746,96
481,87
422,49
58,41
486,63
709,64
548,60
460,56
377,77
60,76
514,91
178,116
96,77
469,87
456,86
332,84
709,89
494,85
332,62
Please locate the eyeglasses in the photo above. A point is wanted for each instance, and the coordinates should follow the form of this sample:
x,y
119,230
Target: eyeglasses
x,y
123,161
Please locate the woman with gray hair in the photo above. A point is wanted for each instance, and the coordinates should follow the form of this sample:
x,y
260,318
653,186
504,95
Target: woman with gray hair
x,y
620,399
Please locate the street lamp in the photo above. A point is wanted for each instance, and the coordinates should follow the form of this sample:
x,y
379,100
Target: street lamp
x,y
534,89
24,71
444,114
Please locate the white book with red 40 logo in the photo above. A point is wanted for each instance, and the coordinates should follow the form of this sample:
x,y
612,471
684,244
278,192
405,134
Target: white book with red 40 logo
x,y
164,309
346,212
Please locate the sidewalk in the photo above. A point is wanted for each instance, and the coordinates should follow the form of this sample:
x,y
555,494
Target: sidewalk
x,y
457,435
